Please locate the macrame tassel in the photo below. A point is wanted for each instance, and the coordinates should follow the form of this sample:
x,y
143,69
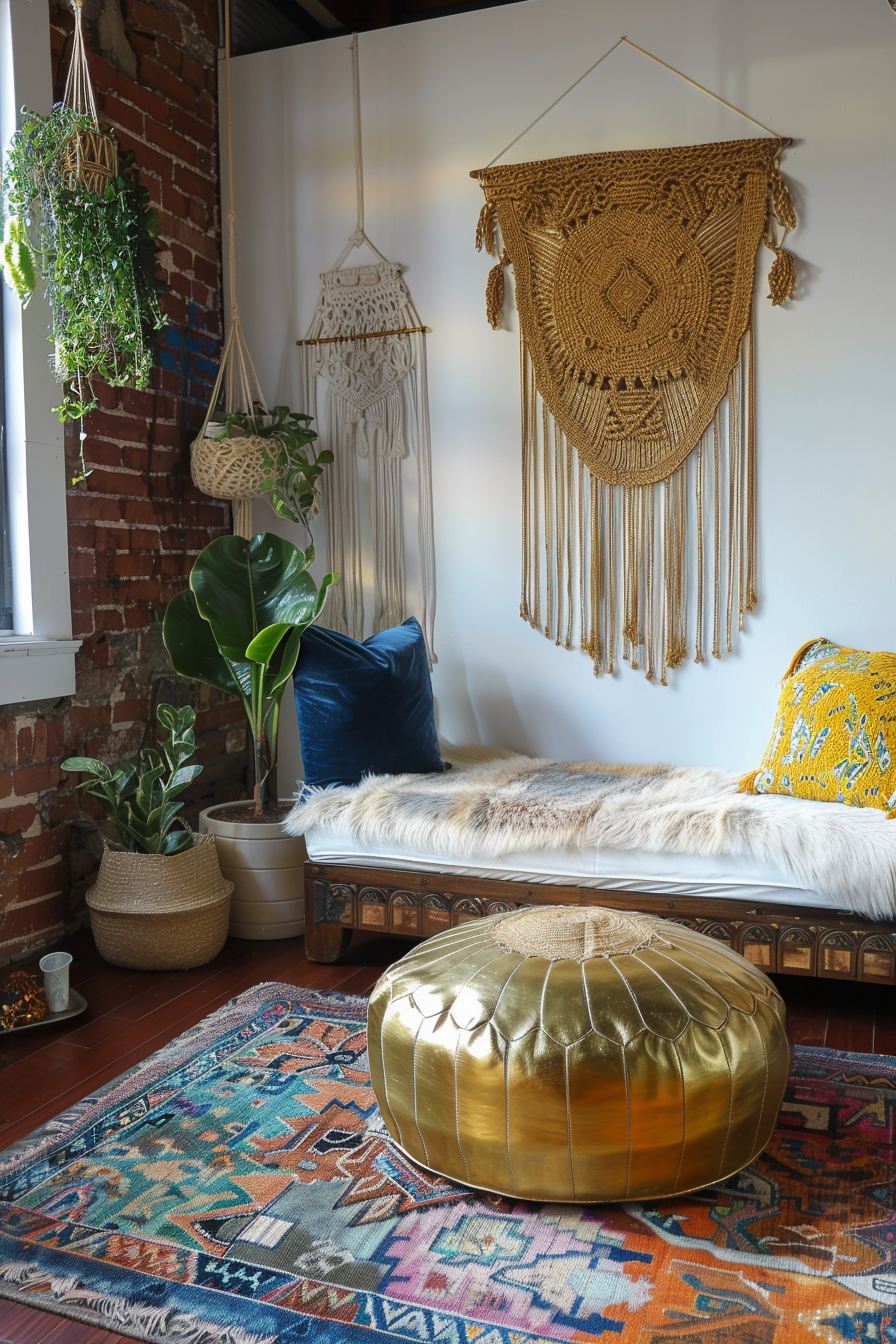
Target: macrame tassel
x,y
344,547
494,292
529,587
782,276
417,391
243,525
782,201
388,540
486,231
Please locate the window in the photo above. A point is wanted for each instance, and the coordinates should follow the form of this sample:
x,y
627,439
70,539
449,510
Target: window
x,y
37,661
6,626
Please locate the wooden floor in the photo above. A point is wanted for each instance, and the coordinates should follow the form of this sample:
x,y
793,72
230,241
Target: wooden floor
x,y
132,1013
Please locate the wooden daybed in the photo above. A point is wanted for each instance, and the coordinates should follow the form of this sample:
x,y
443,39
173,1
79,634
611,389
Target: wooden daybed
x,y
793,939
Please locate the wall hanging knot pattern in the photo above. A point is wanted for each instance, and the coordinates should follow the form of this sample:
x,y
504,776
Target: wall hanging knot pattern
x,y
366,346
634,281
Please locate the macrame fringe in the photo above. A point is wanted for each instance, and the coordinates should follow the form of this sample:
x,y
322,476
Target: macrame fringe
x,y
610,568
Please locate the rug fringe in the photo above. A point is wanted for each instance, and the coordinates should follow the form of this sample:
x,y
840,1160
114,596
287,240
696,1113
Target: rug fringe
x,y
108,1310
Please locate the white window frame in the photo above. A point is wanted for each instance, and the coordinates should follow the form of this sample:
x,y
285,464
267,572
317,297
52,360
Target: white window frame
x,y
38,661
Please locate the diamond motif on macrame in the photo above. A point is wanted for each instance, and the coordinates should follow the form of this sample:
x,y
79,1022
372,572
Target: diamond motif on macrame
x,y
629,293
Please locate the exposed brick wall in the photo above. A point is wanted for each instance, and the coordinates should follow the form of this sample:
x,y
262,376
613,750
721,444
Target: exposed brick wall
x,y
136,528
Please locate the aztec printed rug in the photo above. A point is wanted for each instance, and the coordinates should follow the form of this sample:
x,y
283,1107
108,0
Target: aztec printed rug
x,y
236,1188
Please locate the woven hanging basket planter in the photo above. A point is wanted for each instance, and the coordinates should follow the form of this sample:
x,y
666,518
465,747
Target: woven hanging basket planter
x,y
157,912
232,467
228,468
91,161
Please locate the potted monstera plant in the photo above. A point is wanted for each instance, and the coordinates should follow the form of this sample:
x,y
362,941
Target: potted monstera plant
x,y
160,901
238,627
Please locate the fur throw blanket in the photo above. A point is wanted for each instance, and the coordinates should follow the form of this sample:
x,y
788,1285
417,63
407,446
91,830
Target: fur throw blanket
x,y
514,804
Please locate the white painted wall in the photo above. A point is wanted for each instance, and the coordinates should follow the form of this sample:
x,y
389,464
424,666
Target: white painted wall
x,y
441,98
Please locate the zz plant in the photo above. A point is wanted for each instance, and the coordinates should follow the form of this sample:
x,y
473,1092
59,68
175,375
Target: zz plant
x,y
94,250
139,798
238,627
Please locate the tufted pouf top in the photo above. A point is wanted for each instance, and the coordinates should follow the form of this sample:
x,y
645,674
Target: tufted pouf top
x,y
578,1054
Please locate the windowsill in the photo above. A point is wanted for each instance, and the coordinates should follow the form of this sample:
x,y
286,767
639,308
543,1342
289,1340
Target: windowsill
x,y
33,668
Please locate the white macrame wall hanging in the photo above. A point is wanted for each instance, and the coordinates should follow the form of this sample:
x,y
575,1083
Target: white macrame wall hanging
x,y
364,382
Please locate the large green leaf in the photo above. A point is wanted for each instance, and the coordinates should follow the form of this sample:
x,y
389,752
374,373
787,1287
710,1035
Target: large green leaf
x,y
192,648
265,644
242,587
282,667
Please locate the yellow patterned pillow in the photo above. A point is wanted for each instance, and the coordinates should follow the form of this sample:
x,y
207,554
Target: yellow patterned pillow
x,y
835,734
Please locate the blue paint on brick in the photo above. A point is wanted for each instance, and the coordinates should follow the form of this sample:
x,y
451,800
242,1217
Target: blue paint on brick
x,y
193,353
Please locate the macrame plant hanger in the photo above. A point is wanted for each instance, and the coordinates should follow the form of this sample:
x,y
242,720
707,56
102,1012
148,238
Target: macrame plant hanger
x,y
232,467
366,346
625,457
92,158
91,161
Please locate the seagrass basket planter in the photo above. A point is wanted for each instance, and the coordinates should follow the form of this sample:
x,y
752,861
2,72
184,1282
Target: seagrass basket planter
x,y
156,912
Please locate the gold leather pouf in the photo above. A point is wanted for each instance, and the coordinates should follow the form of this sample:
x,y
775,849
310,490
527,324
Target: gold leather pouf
x,y
578,1054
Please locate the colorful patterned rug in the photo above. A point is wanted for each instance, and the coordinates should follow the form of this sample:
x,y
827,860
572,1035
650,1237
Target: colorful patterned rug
x,y
235,1189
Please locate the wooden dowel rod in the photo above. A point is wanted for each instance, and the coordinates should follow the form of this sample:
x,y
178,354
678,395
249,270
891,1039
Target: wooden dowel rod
x,y
366,336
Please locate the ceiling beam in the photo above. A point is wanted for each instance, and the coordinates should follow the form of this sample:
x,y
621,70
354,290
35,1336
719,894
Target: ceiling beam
x,y
321,13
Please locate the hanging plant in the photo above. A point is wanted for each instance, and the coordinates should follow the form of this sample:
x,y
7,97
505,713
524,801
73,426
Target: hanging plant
x,y
292,467
243,450
76,217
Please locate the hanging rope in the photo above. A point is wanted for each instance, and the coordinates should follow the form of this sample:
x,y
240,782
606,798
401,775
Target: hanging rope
x,y
78,93
359,236
650,56
232,467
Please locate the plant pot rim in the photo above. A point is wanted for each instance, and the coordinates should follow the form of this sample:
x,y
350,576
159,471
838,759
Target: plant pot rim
x,y
118,850
215,817
134,883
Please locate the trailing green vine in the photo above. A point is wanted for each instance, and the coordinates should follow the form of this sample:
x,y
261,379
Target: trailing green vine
x,y
94,251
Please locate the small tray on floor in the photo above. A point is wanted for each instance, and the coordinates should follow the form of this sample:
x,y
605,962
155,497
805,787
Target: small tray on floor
x,y
76,1004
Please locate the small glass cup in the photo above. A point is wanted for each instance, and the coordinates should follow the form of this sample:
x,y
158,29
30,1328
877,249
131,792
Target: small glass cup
x,y
55,968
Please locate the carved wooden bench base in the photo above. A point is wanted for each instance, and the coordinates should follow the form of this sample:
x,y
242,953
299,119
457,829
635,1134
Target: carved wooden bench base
x,y
795,940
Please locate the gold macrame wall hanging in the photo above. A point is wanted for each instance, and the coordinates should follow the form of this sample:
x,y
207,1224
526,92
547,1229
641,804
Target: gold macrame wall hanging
x,y
634,278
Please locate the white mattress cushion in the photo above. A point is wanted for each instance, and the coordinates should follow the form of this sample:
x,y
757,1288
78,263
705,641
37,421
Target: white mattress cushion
x,y
680,875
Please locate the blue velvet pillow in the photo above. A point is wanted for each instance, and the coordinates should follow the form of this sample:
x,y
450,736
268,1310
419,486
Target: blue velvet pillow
x,y
365,709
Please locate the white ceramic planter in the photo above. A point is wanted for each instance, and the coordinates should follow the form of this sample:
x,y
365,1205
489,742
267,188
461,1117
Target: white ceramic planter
x,y
266,868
